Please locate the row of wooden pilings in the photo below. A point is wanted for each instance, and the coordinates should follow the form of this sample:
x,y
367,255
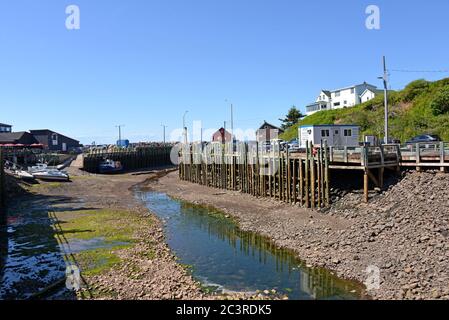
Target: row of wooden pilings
x,y
141,158
2,184
246,167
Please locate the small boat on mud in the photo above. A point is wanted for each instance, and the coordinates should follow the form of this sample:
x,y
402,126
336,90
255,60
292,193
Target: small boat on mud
x,y
38,167
51,175
110,166
24,175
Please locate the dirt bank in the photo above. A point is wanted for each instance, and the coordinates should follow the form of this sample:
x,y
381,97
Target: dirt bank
x,y
402,232
133,263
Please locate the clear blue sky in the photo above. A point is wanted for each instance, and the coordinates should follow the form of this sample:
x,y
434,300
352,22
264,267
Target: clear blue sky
x,y
143,63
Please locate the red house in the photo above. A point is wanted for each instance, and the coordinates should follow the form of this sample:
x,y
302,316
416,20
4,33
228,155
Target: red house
x,y
222,136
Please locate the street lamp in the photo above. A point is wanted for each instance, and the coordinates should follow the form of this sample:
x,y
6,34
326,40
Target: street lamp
x,y
164,126
184,126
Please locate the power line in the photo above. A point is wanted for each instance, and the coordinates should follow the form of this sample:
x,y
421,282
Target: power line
x,y
418,71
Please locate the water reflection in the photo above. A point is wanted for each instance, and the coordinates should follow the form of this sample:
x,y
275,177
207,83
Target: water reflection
x,y
222,254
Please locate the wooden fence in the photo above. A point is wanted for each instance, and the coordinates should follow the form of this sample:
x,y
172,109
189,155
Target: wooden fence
x,y
132,159
247,168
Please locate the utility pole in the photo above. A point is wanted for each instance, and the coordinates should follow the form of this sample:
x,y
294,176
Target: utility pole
x,y
224,133
232,121
385,79
164,126
120,131
184,126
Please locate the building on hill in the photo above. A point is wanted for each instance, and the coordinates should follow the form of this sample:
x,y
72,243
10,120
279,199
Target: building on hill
x,y
5,128
222,135
267,132
343,98
54,141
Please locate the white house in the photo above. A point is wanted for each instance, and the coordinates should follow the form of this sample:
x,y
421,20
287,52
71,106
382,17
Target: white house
x,y
342,98
335,135
369,94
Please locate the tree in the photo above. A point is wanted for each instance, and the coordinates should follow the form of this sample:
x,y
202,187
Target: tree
x,y
293,116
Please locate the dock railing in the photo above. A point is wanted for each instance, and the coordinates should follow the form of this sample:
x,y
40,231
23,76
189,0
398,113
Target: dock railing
x,y
364,157
425,155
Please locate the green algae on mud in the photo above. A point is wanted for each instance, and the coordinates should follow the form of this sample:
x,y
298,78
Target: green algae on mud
x,y
114,227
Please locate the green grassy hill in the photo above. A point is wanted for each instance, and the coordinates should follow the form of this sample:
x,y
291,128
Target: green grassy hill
x,y
422,107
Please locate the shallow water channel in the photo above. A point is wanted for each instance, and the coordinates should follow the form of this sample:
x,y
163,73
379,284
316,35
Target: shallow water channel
x,y
226,259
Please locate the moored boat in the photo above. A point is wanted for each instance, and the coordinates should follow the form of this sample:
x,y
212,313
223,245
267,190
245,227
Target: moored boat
x,y
24,175
51,175
110,166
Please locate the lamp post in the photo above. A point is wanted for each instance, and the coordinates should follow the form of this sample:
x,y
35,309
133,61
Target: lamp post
x,y
120,131
164,126
184,126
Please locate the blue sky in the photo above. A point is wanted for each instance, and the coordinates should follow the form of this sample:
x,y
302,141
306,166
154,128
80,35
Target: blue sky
x,y
143,63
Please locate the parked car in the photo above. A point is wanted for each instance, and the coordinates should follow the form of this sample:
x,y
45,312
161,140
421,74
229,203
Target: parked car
x,y
425,138
293,145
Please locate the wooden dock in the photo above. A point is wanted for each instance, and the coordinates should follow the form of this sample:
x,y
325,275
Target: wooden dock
x,y
272,174
426,155
299,178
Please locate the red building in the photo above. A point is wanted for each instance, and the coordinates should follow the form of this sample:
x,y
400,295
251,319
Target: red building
x,y
222,136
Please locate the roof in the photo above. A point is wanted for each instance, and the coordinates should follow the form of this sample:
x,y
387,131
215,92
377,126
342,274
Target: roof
x,y
353,86
5,125
11,137
377,91
329,125
270,125
326,92
47,131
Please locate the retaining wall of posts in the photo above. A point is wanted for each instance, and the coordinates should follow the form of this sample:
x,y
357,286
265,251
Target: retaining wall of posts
x,y
132,159
2,184
248,168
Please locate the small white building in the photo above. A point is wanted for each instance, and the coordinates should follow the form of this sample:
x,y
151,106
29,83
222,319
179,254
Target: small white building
x,y
335,135
369,94
342,98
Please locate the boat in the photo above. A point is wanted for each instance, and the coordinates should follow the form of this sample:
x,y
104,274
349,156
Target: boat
x,y
38,167
110,166
51,175
24,175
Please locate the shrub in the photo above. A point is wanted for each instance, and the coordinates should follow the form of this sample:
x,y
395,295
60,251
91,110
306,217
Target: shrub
x,y
440,103
414,89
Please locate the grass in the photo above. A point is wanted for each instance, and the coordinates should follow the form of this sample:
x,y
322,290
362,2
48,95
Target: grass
x,y
419,108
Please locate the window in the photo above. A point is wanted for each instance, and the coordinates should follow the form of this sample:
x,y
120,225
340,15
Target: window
x,y
325,133
345,102
337,132
352,91
337,93
348,133
54,139
336,104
